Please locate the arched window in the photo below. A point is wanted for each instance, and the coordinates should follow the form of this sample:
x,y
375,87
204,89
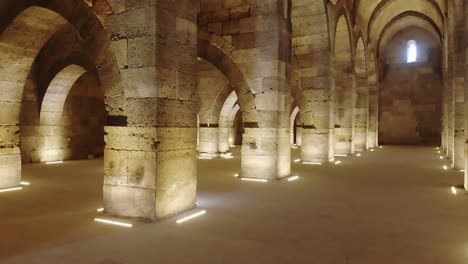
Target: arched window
x,y
412,51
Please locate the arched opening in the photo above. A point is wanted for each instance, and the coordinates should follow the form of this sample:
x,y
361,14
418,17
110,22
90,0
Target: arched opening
x,y
226,123
25,33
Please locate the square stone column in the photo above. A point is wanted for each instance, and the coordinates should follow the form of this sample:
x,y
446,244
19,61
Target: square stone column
x,y
10,167
150,155
372,131
345,112
265,148
208,145
362,113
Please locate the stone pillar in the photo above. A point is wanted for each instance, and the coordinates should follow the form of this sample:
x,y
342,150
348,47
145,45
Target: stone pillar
x,y
345,111
459,124
299,135
465,45
317,139
223,137
265,149
450,122
362,113
458,85
208,145
150,157
373,112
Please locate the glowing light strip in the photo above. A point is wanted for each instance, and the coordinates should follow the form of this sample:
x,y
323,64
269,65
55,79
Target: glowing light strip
x,y
462,170
190,217
297,160
372,150
255,180
205,158
54,162
338,162
11,189
100,210
230,157
293,178
312,163
341,155
236,175
112,222
359,154
359,150
380,147
454,190
25,183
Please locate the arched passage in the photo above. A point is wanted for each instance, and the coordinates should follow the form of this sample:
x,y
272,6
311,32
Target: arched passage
x,y
345,89
36,17
27,29
226,122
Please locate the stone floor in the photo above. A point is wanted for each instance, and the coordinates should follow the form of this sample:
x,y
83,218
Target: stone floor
x,y
392,205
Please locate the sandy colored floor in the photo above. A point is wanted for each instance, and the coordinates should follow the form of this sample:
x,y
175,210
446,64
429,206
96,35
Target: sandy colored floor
x,y
392,205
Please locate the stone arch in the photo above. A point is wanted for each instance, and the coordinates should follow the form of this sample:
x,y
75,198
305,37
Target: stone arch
x,y
216,50
39,20
54,99
360,58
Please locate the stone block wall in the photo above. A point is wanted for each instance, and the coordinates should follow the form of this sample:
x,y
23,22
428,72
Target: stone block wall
x,y
410,108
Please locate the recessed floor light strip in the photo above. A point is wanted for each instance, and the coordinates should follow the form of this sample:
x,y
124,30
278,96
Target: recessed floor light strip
x,y
100,210
25,183
191,216
112,222
359,154
312,163
462,170
293,178
54,162
341,155
254,180
337,162
236,175
205,158
454,190
11,189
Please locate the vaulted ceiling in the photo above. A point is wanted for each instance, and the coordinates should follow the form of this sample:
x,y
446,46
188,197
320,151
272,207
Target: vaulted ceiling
x,y
380,20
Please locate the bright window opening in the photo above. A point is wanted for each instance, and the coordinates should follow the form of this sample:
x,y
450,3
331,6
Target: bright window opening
x,y
412,51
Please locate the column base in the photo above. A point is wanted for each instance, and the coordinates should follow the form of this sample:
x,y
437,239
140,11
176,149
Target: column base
x,y
10,168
